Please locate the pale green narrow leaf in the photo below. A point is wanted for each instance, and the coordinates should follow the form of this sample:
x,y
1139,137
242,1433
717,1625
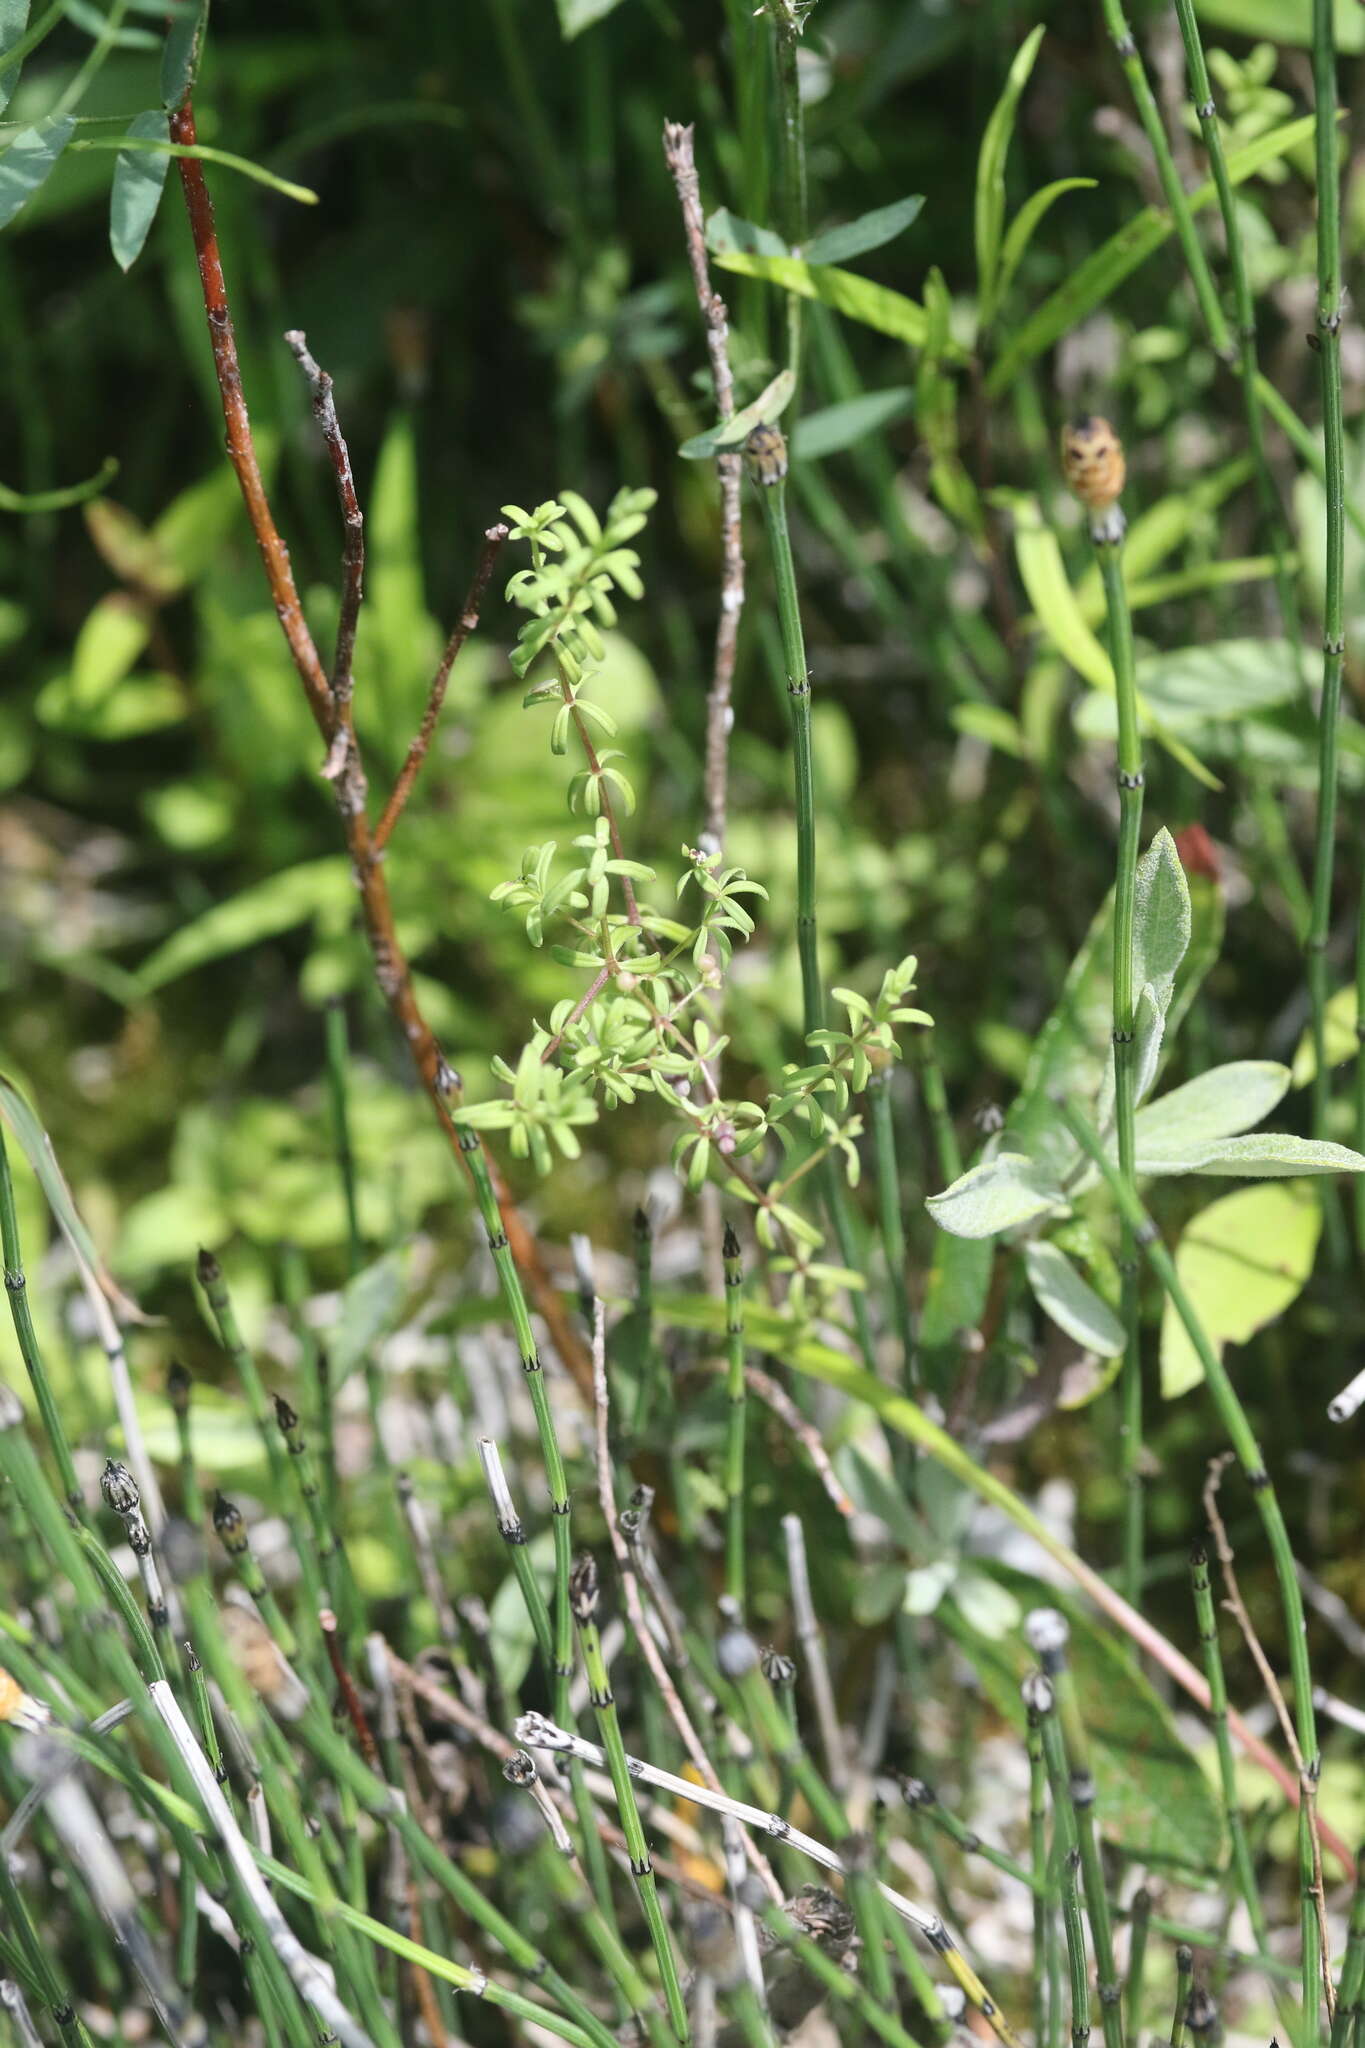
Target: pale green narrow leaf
x,y
1161,918
1266,1155
139,180
1101,273
1286,21
180,58
771,402
263,912
576,15
874,305
1043,574
1025,225
1342,1042
836,427
1241,1262
726,232
1149,1031
1219,1104
870,231
997,1195
13,22
1070,1301
990,172
28,160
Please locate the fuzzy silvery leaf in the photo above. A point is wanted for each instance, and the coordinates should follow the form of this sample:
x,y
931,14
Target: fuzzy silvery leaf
x,y
1161,918
1265,1155
1071,1301
1219,1104
997,1195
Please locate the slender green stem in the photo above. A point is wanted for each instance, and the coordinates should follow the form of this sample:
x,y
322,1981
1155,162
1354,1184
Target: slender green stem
x,y
584,1597
892,1220
922,1798
1048,1632
650,1357
1176,199
1184,1984
1045,1959
1333,613
1244,313
1240,1434
795,198
1107,534
16,1287
735,1431
1207,1622
1351,1983
1140,1921
338,1089
1075,1948
230,1526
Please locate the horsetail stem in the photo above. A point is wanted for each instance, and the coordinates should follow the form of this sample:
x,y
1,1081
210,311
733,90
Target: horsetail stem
x,y
1184,1984
1207,1622
330,1550
1139,1925
179,1392
513,1533
1046,1963
229,1525
1328,338
1040,1700
735,1427
647,1390
1095,470
16,1287
1351,1983
1048,1632
922,1798
891,1220
1196,263
338,1092
584,1596
121,1497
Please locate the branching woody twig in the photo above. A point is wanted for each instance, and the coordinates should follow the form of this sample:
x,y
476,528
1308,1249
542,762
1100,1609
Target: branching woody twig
x,y
352,519
329,702
678,154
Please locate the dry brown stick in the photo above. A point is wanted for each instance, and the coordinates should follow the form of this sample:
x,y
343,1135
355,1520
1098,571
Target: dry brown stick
x,y
1308,1782
644,1635
344,768
352,521
494,536
350,1698
679,156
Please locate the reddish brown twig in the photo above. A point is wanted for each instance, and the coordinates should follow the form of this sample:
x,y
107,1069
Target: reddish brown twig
x,y
350,1698
352,520
468,620
344,767
678,154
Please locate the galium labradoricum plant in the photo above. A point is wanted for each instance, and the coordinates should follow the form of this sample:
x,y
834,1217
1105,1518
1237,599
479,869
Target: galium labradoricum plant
x,y
645,1024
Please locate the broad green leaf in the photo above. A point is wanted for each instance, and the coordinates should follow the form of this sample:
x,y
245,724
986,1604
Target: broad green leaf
x,y
13,22
110,641
1225,680
836,427
870,231
1161,918
1342,1042
997,1195
1285,21
576,15
957,1290
27,161
1025,225
139,179
371,1304
1071,1301
1264,1155
1241,1262
726,232
1219,1104
990,172
137,704
1101,273
874,305
770,404
180,58
1150,1792
262,912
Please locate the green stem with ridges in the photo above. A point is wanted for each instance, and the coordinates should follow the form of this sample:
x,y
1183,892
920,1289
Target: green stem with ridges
x,y
1333,613
1244,313
584,1597
1196,263
650,1360
338,1065
1040,1701
1351,1982
1140,1922
1045,1962
891,1219
795,197
843,1989
1184,1984
1207,1623
735,1427
16,1287
1107,534
230,1527
331,1551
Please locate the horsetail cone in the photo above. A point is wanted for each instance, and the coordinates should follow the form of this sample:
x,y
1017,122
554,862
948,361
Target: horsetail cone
x,y
765,454
583,1589
1093,461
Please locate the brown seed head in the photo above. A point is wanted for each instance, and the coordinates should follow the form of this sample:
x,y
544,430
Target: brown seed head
x,y
765,452
1093,461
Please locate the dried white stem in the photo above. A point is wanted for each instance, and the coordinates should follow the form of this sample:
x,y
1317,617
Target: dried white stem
x,y
812,1641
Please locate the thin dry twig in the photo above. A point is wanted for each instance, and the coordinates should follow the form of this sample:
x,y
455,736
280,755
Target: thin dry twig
x,y
352,520
344,768
1308,1773
493,538
680,158
644,1635
351,1700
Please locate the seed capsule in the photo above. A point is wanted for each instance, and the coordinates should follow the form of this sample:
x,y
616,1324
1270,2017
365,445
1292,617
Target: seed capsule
x,y
1093,461
765,452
